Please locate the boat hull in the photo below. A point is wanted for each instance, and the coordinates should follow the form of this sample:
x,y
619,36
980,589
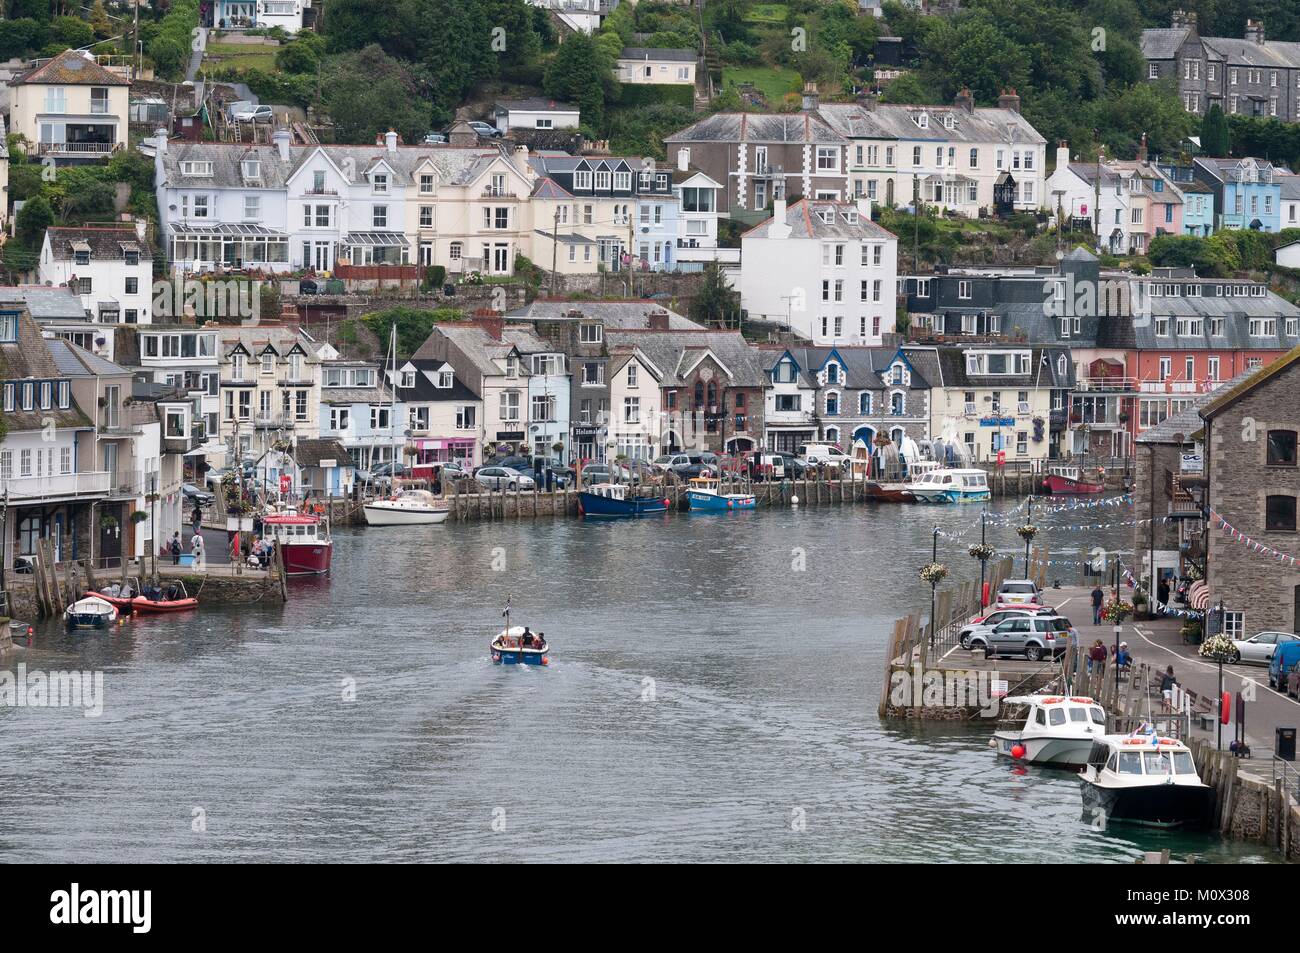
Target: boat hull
x,y
1058,485
409,516
307,559
141,604
512,656
888,492
120,603
1152,805
702,502
594,505
953,495
1048,751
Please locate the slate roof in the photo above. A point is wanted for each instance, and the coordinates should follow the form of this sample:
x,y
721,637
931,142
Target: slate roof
x,y
70,68
47,303
676,352
1163,44
759,127
1242,52
657,53
31,356
1188,420
805,222
947,368
425,391
864,367
309,453
106,244
474,342
256,338
74,361
1220,399
536,104
893,121
623,315
453,165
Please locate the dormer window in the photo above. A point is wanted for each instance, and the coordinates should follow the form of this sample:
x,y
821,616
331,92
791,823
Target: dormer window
x,y
201,169
923,120
81,257
426,183
252,168
826,215
602,181
582,180
832,373
445,378
407,380
379,182
949,122
8,327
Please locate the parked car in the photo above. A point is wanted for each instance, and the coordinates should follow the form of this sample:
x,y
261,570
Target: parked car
x,y
666,461
1293,681
1031,636
693,470
487,130
194,495
1284,659
989,622
434,138
503,478
1018,592
795,468
261,113
607,473
516,461
1259,648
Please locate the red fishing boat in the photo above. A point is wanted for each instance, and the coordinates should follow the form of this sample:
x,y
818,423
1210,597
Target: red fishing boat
x,y
304,540
1066,481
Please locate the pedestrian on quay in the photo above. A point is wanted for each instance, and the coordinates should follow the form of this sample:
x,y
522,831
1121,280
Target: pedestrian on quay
x,y
175,547
1097,656
196,546
1098,597
1167,683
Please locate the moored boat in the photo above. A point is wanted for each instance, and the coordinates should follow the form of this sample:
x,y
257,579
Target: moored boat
x,y
613,499
304,539
120,596
1058,731
408,508
1067,481
704,496
92,612
173,598
1144,779
888,492
946,485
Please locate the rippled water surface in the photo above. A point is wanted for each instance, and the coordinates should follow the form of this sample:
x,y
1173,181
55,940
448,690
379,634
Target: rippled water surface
x,y
706,702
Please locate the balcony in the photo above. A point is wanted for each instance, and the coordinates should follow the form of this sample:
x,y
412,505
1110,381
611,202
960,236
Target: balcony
x,y
1171,386
76,149
1111,383
182,443
67,486
273,421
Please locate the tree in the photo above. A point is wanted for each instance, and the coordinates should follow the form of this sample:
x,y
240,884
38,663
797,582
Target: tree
x,y
578,74
368,92
99,20
71,31
1215,140
19,37
302,55
33,219
714,304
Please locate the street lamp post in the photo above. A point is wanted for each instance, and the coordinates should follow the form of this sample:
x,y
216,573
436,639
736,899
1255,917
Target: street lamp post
x,y
934,583
1218,656
1029,521
1118,629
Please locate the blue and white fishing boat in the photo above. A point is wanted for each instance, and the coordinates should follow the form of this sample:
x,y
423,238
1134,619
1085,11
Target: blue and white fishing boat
x,y
704,496
519,645
951,486
613,499
91,612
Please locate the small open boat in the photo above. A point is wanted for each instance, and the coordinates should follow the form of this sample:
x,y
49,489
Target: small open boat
x,y
704,496
172,598
92,612
1066,481
508,648
613,499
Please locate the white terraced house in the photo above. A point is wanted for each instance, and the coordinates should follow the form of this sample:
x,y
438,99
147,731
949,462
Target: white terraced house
x,y
283,207
70,108
961,157
822,269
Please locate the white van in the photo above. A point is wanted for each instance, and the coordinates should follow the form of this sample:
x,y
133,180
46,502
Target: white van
x,y
771,466
824,453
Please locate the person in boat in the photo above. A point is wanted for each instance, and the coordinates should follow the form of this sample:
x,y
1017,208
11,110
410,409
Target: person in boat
x,y
527,639
115,590
539,641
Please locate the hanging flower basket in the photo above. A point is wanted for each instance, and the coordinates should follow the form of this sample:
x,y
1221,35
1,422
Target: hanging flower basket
x,y
934,573
139,516
1217,647
107,522
1116,611
1027,532
981,551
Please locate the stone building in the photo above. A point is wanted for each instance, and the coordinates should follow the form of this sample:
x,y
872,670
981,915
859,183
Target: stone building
x,y
1253,478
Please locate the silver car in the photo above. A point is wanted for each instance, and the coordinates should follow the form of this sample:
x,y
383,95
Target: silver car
x,y
503,478
1030,636
1258,649
987,624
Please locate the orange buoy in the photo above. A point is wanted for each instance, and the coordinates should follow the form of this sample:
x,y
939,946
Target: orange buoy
x,y
1017,751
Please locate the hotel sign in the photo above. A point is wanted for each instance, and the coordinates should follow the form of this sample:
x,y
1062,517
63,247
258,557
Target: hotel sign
x,y
997,421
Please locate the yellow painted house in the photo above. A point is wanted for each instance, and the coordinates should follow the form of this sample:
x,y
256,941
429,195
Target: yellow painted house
x,y
70,108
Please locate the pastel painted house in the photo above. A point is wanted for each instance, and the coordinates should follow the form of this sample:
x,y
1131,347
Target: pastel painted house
x,y
70,108
659,67
1247,192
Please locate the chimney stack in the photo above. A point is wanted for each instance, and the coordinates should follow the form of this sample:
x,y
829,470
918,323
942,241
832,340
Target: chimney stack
x,y
964,100
280,139
490,321
520,160
390,140
1255,31
658,320
1062,154
1183,19
810,98
683,160
779,228
1009,99
160,138
1142,149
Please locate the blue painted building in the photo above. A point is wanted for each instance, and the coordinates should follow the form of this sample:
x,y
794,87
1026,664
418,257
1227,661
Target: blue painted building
x,y
656,220
358,410
1247,192
1198,199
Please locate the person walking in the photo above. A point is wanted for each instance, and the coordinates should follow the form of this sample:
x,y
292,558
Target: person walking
x,y
175,547
196,546
1098,597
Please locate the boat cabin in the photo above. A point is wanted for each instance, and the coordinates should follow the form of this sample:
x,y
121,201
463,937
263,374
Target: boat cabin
x,y
611,491
957,479
1149,756
1055,711
288,530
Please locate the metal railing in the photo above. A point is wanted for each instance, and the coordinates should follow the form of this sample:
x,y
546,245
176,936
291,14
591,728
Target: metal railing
x,y
1285,771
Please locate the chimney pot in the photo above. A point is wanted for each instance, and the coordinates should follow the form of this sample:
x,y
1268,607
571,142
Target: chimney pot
x,y
810,98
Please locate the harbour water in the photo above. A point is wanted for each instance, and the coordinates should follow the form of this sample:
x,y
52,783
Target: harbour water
x,y
712,697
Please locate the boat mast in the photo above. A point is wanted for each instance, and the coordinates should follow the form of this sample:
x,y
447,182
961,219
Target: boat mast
x,y
392,404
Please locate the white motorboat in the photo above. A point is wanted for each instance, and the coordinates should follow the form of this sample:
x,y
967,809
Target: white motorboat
x,y
951,486
408,508
91,612
1143,778
1059,731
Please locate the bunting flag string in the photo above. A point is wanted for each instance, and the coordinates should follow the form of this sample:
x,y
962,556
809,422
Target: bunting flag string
x,y
1161,607
1253,546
